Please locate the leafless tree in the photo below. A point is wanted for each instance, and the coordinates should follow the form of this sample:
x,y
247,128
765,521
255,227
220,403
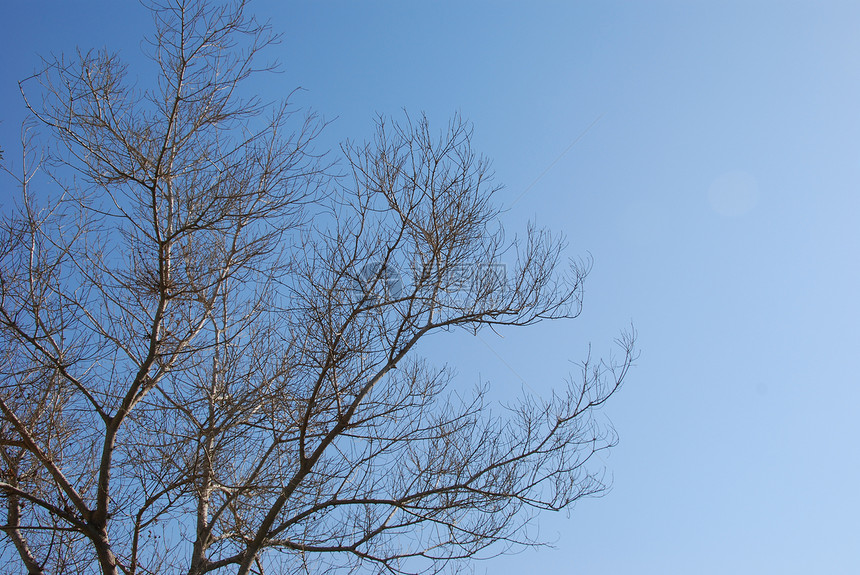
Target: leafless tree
x,y
208,343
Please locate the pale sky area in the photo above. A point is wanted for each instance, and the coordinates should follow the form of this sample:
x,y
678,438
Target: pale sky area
x,y
714,178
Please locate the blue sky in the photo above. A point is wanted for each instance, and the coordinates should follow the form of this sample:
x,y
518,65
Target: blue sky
x,y
714,180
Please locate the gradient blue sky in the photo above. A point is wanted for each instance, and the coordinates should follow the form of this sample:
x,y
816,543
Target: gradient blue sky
x,y
717,193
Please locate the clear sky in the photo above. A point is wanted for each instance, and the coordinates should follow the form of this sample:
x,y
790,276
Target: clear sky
x,y
714,180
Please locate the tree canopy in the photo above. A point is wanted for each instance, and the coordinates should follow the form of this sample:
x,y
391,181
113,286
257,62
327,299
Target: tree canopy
x,y
209,331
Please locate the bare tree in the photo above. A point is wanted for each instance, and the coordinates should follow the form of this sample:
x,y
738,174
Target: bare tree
x,y
208,345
